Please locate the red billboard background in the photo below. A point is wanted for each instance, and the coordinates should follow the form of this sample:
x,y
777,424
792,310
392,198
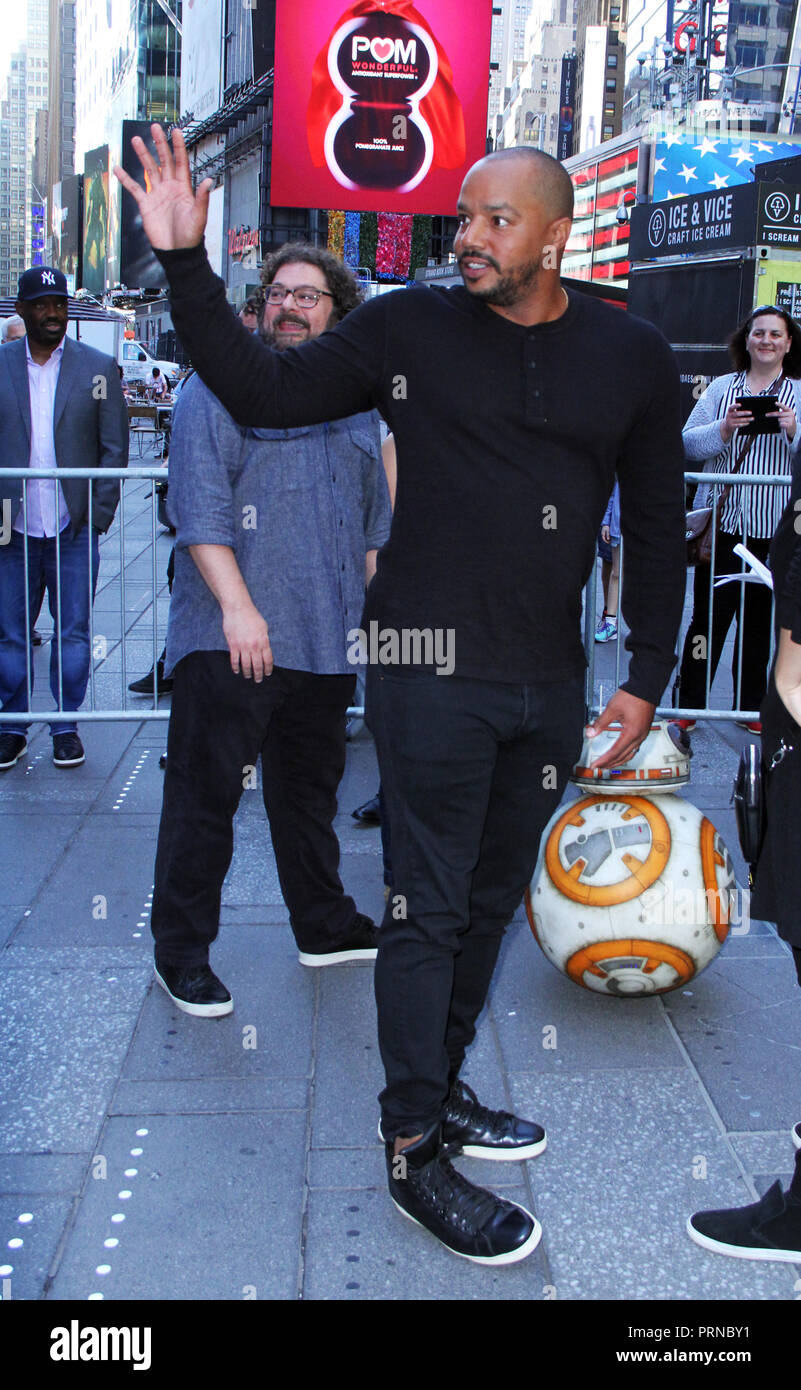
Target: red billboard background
x,y
380,105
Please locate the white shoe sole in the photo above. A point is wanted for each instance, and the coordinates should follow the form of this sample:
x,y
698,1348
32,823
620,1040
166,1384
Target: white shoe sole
x,y
69,762
337,957
741,1252
795,1135
512,1257
196,1010
498,1155
5,766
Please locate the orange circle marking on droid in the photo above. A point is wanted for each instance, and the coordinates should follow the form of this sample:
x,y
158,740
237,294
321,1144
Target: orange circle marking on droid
x,y
714,897
641,872
590,959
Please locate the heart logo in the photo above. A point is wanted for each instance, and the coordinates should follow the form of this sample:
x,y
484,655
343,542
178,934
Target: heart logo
x,y
382,50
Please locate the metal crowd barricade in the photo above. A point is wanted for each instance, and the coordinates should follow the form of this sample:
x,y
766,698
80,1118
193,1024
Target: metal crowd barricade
x,y
131,478
596,700
115,541
128,478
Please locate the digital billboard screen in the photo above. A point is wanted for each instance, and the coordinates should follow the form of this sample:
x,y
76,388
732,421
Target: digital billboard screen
x,y
95,219
378,107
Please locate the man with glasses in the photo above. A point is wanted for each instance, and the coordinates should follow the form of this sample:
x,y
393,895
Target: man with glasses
x,y
277,532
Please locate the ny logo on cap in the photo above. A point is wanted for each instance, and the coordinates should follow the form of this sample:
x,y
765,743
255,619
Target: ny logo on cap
x,y
48,278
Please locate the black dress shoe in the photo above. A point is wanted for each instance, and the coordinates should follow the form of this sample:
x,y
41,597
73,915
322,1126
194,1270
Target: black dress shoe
x,y
467,1219
195,989
12,747
68,750
144,686
483,1133
361,943
370,812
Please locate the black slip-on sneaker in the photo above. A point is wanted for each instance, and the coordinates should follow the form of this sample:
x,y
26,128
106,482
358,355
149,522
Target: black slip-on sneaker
x,y
195,990
68,750
769,1229
12,748
361,943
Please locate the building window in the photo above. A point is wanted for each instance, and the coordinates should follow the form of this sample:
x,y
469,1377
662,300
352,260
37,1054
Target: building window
x,y
608,132
614,12
611,84
611,61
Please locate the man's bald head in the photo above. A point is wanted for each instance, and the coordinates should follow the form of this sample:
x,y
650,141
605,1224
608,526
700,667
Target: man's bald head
x,y
550,182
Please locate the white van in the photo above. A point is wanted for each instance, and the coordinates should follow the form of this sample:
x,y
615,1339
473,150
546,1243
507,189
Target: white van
x,y
137,362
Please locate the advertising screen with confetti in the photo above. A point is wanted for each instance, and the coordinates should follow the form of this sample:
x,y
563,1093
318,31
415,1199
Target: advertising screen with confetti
x,y
380,105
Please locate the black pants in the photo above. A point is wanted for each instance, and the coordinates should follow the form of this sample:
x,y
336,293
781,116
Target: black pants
x,y
219,725
726,606
471,771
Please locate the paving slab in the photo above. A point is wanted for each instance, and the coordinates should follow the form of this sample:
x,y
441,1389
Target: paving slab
x,y
63,1036
210,1097
28,1247
218,1197
98,890
530,997
270,1032
616,1184
359,1246
26,860
42,1174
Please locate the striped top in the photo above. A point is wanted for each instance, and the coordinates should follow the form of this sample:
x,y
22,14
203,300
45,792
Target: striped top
x,y
757,509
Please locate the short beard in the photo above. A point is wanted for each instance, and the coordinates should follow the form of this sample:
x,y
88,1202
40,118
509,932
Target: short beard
x,y
510,289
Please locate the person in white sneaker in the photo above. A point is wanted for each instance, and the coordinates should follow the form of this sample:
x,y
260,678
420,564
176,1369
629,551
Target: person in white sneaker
x,y
609,550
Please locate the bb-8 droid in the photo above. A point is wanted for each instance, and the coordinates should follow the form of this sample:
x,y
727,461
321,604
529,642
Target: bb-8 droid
x,y
631,896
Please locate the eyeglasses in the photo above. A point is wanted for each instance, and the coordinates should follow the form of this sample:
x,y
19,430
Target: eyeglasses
x,y
305,296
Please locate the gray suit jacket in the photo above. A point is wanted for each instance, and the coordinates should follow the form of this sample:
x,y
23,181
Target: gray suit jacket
x,y
90,428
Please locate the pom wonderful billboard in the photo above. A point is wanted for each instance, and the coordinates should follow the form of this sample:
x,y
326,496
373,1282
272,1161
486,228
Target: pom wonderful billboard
x,y
379,106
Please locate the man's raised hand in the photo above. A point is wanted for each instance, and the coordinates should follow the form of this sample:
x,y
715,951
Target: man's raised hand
x,y
173,215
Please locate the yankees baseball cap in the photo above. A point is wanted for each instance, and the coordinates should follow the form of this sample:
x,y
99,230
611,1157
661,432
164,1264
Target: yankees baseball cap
x,y
41,280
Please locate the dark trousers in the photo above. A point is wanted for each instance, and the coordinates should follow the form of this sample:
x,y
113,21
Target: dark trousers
x,y
726,606
68,570
219,725
471,772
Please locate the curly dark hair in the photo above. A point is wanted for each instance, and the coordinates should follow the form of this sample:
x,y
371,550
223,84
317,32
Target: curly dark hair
x,y
742,358
340,280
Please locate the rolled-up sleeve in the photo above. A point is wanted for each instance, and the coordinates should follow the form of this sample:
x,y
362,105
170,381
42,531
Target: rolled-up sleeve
x,y
377,508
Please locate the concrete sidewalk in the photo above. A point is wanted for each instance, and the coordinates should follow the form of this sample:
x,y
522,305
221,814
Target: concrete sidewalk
x,y
148,1155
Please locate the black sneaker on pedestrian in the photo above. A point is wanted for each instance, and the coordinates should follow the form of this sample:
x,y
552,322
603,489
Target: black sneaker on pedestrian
x,y
361,943
12,747
469,1220
144,686
797,1135
766,1230
195,990
67,750
483,1133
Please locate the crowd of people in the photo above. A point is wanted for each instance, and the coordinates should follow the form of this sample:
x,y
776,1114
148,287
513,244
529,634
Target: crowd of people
x,y
502,475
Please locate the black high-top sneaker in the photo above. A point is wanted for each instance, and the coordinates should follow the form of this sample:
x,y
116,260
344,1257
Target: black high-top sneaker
x,y
467,1219
483,1133
766,1230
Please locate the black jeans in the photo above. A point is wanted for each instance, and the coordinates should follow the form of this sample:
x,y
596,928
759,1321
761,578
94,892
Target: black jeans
x,y
725,607
219,725
471,772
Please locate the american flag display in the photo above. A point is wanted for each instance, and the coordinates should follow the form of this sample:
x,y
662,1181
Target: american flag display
x,y
693,164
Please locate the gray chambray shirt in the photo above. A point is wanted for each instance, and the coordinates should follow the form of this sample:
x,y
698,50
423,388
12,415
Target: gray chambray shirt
x,y
298,507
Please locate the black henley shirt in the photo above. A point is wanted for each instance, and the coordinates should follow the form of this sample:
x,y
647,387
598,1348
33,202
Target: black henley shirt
x,y
508,441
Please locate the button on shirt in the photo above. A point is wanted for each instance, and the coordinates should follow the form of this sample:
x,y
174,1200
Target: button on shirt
x,y
41,492
299,508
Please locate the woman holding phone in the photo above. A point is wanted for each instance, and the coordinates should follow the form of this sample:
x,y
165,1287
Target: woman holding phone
x,y
726,432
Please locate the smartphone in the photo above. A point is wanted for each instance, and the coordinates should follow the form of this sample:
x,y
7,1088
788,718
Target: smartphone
x,y
760,407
